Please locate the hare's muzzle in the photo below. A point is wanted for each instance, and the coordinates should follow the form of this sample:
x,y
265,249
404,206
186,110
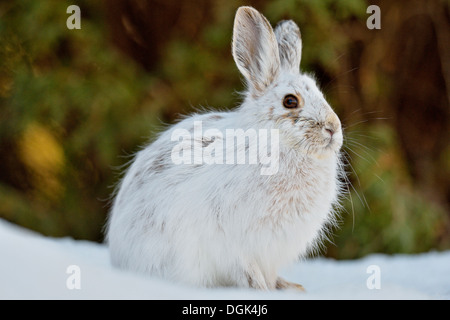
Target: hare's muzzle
x,y
332,130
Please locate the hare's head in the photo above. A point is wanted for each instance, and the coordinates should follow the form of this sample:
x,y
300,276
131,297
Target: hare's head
x,y
270,62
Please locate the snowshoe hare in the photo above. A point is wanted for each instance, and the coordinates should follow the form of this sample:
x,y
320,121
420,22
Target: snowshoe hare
x,y
191,210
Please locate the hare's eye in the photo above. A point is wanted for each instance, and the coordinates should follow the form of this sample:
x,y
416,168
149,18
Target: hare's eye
x,y
290,101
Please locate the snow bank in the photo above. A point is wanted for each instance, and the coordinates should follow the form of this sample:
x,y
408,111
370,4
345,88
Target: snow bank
x,y
37,267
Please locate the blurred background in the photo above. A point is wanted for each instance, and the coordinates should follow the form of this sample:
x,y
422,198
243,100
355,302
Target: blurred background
x,y
76,104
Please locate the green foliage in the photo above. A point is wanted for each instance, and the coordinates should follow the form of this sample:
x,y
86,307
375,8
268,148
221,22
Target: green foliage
x,y
82,94
72,110
319,22
383,211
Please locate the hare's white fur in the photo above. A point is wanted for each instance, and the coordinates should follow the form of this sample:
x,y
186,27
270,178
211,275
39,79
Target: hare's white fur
x,y
228,225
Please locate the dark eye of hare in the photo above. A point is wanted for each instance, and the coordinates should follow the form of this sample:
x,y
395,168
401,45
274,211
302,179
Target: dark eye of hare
x,y
290,101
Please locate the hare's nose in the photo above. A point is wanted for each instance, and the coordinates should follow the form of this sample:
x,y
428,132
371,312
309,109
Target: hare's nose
x,y
332,124
330,131
331,127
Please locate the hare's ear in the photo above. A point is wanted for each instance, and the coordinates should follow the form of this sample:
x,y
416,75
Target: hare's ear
x,y
289,45
255,49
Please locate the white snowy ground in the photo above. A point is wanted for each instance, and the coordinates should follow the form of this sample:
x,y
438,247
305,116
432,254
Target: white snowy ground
x,y
35,267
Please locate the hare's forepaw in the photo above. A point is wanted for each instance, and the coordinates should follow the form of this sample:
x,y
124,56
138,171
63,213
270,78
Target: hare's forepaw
x,y
283,285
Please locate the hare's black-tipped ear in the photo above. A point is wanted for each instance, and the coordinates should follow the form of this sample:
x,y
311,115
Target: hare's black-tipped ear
x,y
255,49
289,45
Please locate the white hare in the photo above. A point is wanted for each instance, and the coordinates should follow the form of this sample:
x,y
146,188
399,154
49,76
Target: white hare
x,y
224,224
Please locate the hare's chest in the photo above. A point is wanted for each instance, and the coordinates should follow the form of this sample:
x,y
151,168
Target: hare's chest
x,y
302,191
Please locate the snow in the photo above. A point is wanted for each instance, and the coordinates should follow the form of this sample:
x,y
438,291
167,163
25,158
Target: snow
x,y
36,267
